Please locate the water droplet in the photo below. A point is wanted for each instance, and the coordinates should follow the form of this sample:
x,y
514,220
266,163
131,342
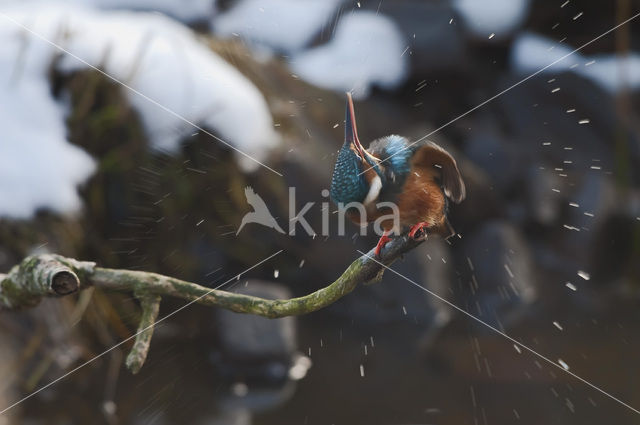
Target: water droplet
x,y
584,275
563,364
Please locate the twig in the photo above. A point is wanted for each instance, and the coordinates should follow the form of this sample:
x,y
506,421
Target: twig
x,y
51,275
150,304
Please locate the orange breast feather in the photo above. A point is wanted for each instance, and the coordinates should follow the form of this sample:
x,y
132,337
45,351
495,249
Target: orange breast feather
x,y
421,199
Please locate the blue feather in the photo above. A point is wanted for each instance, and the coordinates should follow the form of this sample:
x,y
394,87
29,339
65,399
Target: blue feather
x,y
347,185
398,153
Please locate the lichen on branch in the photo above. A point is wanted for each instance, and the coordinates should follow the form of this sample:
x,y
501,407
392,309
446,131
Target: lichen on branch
x,y
51,275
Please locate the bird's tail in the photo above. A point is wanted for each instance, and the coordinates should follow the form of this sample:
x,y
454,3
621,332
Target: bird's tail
x,y
444,229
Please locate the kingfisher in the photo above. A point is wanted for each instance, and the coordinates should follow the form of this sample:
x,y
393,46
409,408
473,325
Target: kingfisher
x,y
419,178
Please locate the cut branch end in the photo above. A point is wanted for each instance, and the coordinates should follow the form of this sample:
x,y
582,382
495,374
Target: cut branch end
x,y
64,282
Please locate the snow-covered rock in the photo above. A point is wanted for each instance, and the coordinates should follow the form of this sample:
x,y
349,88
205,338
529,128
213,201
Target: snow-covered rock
x,y
159,59
183,10
498,17
281,25
367,49
38,167
532,52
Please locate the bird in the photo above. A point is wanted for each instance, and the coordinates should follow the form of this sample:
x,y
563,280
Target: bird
x,y
260,213
420,178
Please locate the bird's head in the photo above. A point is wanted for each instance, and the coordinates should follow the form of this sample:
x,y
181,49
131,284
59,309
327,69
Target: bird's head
x,y
354,167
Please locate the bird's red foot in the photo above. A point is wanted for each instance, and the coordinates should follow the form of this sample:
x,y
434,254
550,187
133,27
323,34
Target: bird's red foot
x,y
381,243
419,231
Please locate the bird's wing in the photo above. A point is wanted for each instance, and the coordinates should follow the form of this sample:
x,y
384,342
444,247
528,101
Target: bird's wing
x,y
399,155
430,154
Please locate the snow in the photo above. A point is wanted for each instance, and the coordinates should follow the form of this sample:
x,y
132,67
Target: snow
x,y
497,17
532,52
367,49
38,167
613,72
281,25
153,54
183,10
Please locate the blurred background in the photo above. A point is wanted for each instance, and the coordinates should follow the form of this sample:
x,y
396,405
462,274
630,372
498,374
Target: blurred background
x,y
121,124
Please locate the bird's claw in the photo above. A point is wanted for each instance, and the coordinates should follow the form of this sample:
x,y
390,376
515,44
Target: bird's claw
x,y
419,231
381,243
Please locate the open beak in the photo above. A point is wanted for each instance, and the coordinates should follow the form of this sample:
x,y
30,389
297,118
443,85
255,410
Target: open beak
x,y
350,129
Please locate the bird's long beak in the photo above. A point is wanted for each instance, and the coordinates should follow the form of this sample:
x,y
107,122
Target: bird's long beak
x,y
350,129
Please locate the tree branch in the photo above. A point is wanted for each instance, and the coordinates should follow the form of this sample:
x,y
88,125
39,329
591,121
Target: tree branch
x,y
51,275
150,304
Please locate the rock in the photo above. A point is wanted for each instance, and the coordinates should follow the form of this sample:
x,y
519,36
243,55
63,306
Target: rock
x,y
498,158
230,417
483,202
434,44
391,300
596,18
587,238
436,277
550,125
252,399
254,347
542,204
587,227
597,197
396,299
497,277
